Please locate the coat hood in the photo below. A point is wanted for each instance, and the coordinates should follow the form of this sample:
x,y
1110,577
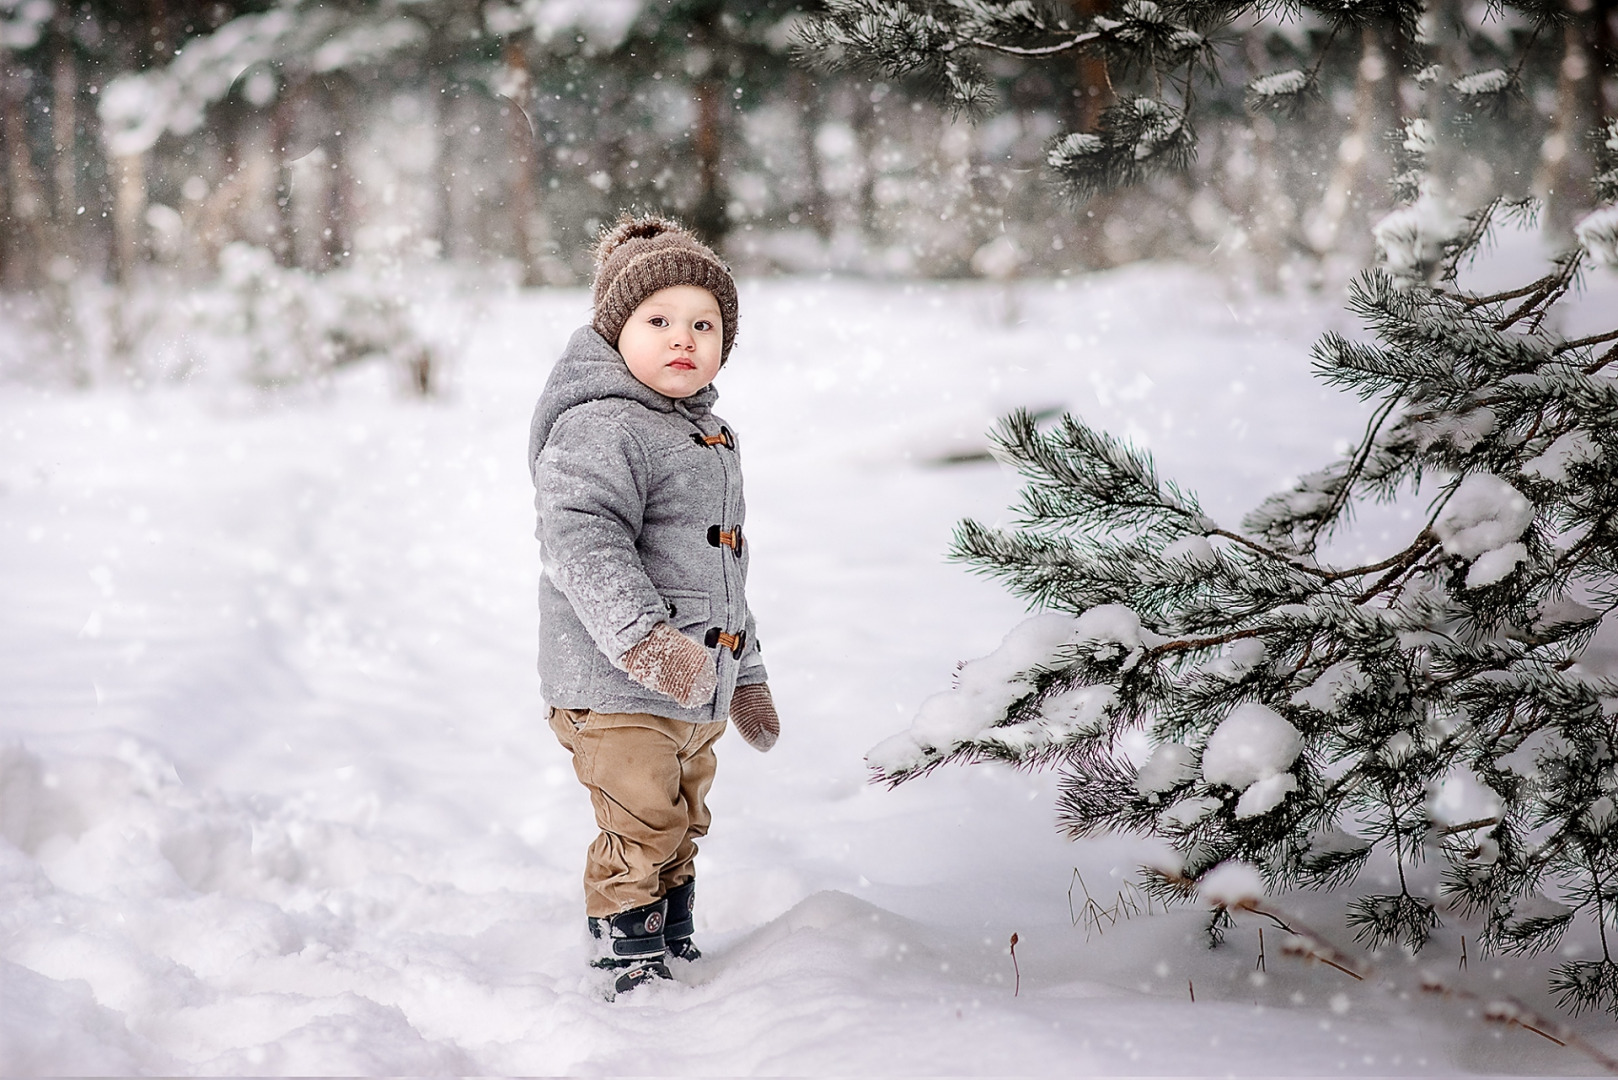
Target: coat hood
x,y
592,370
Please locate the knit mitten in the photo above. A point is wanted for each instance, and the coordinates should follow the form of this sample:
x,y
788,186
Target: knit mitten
x,y
671,663
752,710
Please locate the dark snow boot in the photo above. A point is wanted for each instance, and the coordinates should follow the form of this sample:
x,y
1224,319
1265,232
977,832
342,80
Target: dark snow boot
x,y
633,945
682,923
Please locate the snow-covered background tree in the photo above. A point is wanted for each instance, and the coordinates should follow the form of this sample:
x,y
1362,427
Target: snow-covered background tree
x,y
1432,710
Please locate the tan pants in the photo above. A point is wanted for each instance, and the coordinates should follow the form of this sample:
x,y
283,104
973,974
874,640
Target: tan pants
x,y
648,778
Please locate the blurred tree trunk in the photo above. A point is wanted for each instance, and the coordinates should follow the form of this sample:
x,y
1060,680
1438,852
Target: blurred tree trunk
x,y
242,206
337,236
157,44
1272,210
128,214
26,207
64,137
8,243
443,164
863,119
1081,111
1565,160
1093,91
811,112
221,213
709,217
97,186
611,151
1375,111
524,162
283,117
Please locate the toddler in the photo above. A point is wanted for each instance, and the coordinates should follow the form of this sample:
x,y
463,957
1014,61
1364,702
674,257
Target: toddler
x,y
646,641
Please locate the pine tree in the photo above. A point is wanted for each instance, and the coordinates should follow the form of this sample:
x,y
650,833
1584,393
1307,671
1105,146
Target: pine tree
x,y
1307,717
950,45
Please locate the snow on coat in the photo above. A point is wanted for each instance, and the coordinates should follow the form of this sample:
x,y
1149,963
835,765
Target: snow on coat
x,y
640,514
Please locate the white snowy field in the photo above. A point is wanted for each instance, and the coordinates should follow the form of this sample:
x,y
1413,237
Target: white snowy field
x,y
277,795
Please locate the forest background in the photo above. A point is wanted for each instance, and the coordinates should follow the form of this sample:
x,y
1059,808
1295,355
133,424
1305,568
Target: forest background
x,y
147,140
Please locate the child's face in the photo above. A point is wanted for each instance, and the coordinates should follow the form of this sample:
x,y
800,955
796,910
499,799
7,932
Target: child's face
x,y
672,341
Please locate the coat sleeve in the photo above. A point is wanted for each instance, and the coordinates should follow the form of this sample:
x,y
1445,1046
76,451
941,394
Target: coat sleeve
x,y
751,670
590,486
752,663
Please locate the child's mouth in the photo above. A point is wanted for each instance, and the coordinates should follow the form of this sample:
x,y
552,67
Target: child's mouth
x,y
683,365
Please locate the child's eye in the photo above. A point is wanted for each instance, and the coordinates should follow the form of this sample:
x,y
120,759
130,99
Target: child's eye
x,y
658,321
703,324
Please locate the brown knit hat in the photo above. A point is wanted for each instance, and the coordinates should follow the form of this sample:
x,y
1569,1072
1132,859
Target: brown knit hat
x,y
640,255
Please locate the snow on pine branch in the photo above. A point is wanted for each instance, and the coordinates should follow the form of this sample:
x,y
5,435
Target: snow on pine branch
x,y
897,40
975,718
1598,233
1156,30
904,37
1183,587
1281,90
1294,520
1483,523
1486,89
1136,139
893,38
1414,239
1566,452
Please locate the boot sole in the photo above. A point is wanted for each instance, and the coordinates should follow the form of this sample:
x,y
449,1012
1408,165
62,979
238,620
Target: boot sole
x,y
656,971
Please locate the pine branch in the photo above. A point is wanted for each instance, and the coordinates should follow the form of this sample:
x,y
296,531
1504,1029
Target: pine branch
x,y
1074,42
1584,342
1391,678
1076,473
1051,571
1470,302
1601,361
1215,641
1356,466
1398,565
1137,139
1554,286
1479,227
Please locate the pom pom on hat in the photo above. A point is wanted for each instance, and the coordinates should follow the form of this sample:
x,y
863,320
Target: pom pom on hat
x,y
637,256
632,228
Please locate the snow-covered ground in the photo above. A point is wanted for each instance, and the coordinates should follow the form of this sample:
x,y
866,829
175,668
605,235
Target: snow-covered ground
x,y
277,795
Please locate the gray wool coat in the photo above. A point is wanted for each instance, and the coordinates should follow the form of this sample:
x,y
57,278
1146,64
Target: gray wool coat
x,y
632,504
